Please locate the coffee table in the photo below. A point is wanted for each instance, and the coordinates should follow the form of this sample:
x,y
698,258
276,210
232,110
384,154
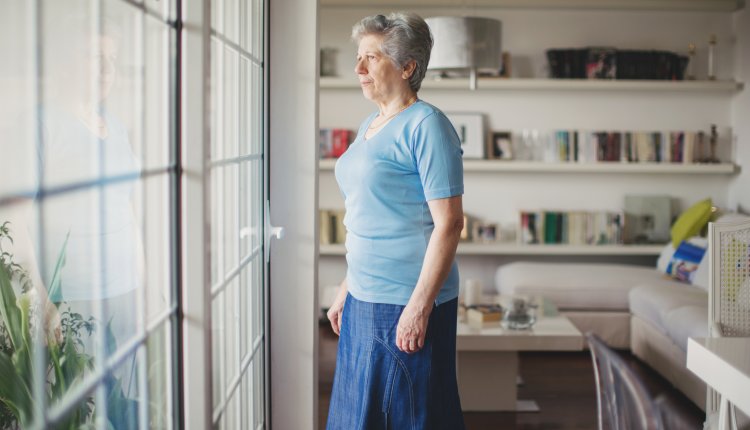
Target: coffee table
x,y
487,357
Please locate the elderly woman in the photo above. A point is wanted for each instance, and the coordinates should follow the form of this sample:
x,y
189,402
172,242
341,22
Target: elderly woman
x,y
402,180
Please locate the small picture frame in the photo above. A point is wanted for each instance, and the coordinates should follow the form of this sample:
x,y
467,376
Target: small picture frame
x,y
500,145
485,232
470,129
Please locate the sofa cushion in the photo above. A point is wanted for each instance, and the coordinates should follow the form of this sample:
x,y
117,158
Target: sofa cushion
x,y
576,286
652,302
687,321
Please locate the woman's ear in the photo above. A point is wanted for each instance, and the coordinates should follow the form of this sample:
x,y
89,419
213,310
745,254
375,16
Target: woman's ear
x,y
409,69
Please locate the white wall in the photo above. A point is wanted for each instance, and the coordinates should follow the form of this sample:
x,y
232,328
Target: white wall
x,y
740,188
526,35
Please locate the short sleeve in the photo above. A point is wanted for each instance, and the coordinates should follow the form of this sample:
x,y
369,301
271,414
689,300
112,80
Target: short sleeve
x,y
438,157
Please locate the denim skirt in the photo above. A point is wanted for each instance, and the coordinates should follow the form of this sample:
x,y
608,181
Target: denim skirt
x,y
377,386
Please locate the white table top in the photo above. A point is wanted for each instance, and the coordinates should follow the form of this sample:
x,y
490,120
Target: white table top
x,y
552,332
724,364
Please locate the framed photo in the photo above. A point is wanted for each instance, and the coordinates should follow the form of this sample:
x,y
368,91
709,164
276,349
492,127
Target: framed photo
x,y
484,232
500,145
470,130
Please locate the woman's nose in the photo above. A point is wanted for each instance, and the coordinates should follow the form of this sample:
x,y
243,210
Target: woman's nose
x,y
359,67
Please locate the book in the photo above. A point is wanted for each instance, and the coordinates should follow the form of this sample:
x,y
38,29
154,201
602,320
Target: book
x,y
478,315
338,227
326,230
601,63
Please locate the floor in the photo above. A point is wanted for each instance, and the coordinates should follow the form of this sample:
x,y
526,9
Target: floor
x,y
561,383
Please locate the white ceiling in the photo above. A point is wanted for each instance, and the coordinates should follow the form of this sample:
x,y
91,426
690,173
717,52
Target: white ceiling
x,y
715,5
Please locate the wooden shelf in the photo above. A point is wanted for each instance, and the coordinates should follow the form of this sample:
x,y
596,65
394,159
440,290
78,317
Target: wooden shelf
x,y
494,166
684,5
526,84
514,249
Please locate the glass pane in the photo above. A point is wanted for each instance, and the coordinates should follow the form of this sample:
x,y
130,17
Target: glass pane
x,y
166,9
256,121
159,376
217,99
217,16
154,150
243,201
246,101
246,30
257,303
257,207
231,318
231,221
17,113
244,302
217,244
246,402
250,305
257,25
231,20
232,94
232,412
218,340
153,212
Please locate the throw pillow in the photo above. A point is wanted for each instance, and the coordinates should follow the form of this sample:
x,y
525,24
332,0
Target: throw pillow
x,y
685,261
665,257
691,222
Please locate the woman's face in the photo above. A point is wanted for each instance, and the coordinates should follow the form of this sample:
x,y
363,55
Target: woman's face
x,y
380,79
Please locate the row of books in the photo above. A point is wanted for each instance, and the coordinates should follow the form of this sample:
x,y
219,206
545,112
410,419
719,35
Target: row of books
x,y
571,227
334,141
332,229
661,146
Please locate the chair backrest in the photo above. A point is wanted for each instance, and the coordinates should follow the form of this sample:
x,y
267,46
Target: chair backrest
x,y
729,281
622,399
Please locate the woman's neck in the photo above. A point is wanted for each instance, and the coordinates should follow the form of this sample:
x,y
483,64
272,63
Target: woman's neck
x,y
396,103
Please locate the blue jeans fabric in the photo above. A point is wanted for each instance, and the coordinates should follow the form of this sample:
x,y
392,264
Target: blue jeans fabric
x,y
377,386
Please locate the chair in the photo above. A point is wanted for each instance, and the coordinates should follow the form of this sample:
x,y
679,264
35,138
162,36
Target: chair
x,y
728,298
622,399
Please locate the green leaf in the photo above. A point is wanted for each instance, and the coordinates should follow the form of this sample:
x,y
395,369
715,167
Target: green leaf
x,y
11,315
23,358
54,286
14,392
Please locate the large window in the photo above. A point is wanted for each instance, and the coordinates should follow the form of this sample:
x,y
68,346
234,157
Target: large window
x,y
86,196
236,172
90,202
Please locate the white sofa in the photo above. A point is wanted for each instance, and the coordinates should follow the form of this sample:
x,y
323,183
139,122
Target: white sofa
x,y
628,306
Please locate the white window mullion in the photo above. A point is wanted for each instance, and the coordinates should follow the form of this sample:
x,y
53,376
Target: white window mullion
x,y
196,299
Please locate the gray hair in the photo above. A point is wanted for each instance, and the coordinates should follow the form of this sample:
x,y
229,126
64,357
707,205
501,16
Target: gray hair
x,y
406,37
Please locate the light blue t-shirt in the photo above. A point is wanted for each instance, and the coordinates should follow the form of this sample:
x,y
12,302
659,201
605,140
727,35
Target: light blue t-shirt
x,y
386,182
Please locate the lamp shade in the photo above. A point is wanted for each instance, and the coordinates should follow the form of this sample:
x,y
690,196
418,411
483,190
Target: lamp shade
x,y
465,43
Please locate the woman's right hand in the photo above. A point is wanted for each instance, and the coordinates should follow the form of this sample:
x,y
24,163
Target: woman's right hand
x,y
336,310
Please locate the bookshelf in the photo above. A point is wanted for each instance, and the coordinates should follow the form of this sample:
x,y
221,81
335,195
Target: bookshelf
x,y
529,84
496,190
512,249
490,166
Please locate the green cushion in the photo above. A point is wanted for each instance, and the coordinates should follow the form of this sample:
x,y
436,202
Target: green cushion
x,y
691,222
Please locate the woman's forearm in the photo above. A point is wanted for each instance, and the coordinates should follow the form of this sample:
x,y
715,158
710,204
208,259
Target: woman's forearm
x,y
441,250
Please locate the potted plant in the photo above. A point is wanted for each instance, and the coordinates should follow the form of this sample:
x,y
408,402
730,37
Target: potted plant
x,y
22,321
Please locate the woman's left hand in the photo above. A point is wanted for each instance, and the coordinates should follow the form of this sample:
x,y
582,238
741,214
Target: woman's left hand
x,y
412,328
